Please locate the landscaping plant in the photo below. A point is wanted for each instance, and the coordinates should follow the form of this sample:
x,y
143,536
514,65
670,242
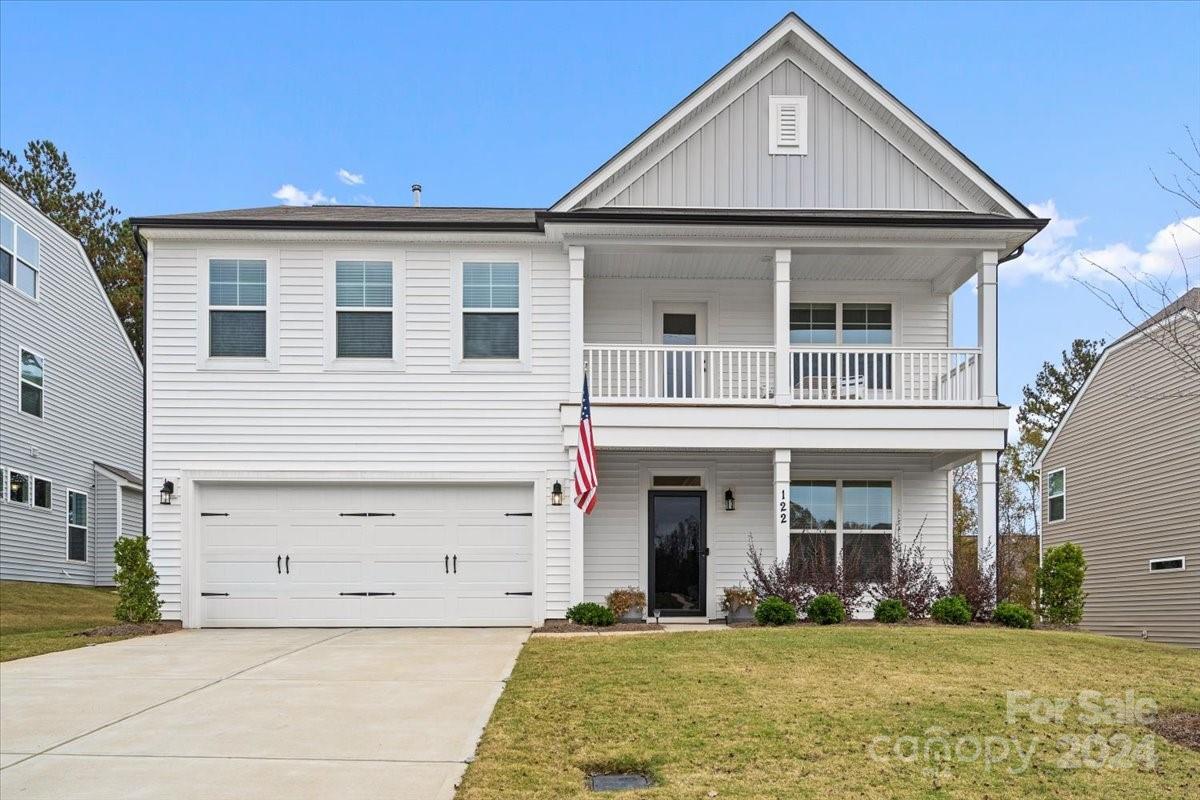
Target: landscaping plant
x,y
826,609
977,587
1011,615
1060,584
627,599
735,598
801,577
591,614
775,611
912,582
890,611
137,582
952,610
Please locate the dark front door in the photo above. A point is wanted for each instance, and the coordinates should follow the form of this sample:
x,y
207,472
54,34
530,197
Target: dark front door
x,y
678,549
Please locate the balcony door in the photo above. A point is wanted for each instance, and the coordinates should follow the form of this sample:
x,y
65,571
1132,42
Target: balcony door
x,y
681,327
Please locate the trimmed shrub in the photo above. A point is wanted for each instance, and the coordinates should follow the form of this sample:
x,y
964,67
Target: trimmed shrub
x,y
591,614
775,611
890,611
627,599
911,581
826,609
1060,584
1011,615
137,582
952,610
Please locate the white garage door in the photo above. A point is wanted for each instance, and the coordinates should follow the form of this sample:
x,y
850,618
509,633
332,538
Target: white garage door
x,y
365,554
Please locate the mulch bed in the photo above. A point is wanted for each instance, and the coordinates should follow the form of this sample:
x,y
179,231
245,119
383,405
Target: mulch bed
x,y
1181,728
133,629
564,626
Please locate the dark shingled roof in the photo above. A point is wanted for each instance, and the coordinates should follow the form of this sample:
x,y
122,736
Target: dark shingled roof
x,y
351,217
124,473
1189,300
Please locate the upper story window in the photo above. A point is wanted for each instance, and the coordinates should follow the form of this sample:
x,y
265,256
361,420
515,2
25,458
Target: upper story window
x,y
814,323
846,520
20,257
1056,491
845,323
237,308
32,379
364,309
866,323
491,310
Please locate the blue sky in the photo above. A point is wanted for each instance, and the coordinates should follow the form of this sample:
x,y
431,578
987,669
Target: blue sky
x,y
194,107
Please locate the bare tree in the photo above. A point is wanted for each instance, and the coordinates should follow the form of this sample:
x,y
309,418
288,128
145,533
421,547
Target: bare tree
x,y
1166,307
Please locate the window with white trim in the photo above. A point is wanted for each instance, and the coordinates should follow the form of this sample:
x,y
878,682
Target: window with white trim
x,y
788,125
18,487
491,310
237,308
1056,492
32,372
1173,564
20,257
43,493
841,323
363,305
846,521
77,526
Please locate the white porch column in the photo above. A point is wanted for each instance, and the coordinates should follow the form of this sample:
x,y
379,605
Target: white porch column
x,y
576,548
986,266
783,313
783,504
574,392
988,504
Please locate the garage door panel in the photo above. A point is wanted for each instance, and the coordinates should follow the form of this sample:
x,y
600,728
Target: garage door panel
x,y
408,609
322,609
331,533
241,535
492,610
494,534
249,611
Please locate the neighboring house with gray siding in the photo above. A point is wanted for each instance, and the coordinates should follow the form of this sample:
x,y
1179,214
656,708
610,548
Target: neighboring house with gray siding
x,y
1120,477
70,408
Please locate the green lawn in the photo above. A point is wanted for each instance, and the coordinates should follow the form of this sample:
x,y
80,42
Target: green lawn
x,y
794,712
38,618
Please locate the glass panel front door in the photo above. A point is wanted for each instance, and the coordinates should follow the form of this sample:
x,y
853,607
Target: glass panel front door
x,y
677,551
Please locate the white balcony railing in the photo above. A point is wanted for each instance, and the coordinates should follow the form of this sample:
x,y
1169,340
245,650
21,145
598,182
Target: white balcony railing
x,y
666,374
897,376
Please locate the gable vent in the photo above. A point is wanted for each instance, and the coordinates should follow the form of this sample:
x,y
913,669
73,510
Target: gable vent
x,y
789,125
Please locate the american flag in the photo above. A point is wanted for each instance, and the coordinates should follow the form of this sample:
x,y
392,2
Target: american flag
x,y
586,481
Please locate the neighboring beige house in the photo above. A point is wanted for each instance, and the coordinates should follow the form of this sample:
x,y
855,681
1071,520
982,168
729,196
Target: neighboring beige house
x,y
1121,478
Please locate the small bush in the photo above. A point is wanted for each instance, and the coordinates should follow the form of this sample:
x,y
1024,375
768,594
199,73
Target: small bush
x,y
1011,615
775,611
826,609
952,610
137,582
629,598
736,597
1060,584
890,611
591,614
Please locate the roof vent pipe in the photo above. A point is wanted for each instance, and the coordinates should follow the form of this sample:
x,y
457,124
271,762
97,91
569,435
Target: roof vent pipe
x,y
416,187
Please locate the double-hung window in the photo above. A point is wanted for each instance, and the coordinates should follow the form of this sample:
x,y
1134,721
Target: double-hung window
x,y
1056,491
867,323
364,309
843,521
20,257
77,526
32,380
491,310
42,493
237,308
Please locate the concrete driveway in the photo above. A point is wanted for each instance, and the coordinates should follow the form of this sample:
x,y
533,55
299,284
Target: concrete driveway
x,y
361,713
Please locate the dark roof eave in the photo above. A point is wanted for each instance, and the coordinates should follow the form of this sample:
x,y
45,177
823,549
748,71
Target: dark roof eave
x,y
142,223
799,219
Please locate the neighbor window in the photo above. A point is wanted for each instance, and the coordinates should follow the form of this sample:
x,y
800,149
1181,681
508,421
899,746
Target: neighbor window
x,y
850,521
33,375
77,526
20,257
1167,564
491,326
364,309
237,308
1056,491
42,493
18,487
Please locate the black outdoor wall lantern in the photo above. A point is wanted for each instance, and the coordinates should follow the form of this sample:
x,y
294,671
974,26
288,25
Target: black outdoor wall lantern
x,y
556,497
729,499
164,495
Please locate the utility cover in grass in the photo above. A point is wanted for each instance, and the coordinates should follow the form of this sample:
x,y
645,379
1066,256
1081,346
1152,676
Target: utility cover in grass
x,y
618,781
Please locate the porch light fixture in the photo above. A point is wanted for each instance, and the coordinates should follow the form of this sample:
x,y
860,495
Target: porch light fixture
x,y
556,494
164,494
729,499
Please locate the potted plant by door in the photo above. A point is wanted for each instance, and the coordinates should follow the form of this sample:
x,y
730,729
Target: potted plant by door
x,y
738,604
627,603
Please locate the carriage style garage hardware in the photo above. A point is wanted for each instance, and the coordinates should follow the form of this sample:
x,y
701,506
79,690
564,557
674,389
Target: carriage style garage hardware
x,y
214,594
214,513
367,594
518,513
367,514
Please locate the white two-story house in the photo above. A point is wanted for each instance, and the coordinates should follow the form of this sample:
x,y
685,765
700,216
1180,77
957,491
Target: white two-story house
x,y
369,416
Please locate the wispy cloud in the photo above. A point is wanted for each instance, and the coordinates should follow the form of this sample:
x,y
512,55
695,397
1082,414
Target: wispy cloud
x,y
290,195
364,200
350,178
1054,254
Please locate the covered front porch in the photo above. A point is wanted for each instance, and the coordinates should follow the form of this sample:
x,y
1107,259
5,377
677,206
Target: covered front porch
x,y
678,523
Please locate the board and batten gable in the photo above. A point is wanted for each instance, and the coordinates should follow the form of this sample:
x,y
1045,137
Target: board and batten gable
x,y
420,418
1130,448
92,401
